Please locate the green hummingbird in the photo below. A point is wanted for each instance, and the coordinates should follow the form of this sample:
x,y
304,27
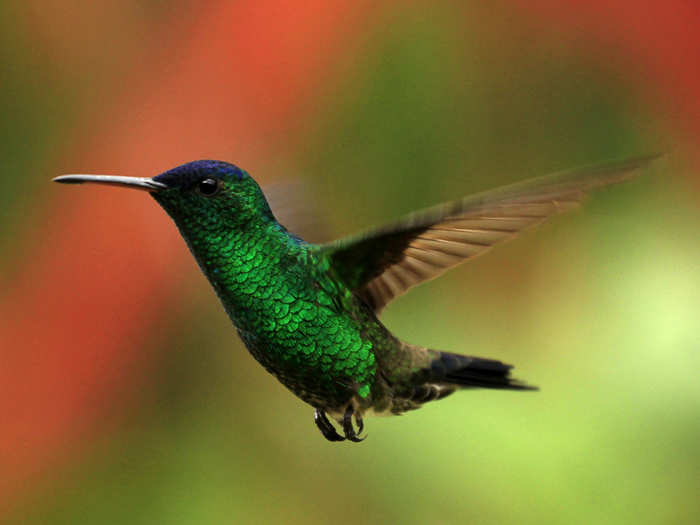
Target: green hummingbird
x,y
309,313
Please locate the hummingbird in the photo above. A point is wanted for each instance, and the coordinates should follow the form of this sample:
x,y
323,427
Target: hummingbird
x,y
309,313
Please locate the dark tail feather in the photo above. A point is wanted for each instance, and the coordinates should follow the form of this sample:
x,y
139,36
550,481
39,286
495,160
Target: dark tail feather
x,y
465,371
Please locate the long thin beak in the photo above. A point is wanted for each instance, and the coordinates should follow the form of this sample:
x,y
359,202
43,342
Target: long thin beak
x,y
137,183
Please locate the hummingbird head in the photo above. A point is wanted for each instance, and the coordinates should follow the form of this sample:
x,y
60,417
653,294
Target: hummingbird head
x,y
211,191
204,194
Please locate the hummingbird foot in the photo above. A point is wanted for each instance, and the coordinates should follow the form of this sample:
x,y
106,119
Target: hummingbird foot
x,y
359,423
329,432
348,428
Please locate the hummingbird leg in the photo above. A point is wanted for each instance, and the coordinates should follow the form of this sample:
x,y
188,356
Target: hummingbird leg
x,y
348,428
360,424
325,426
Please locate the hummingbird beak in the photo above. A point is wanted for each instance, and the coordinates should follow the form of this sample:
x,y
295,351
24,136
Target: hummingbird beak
x,y
136,183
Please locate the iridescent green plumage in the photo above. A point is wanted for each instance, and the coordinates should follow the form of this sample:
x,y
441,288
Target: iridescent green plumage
x,y
277,290
308,313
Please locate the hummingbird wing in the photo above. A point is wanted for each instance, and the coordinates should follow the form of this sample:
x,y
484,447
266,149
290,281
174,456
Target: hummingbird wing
x,y
381,264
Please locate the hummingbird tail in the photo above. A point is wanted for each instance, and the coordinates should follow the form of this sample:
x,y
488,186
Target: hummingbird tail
x,y
435,375
473,372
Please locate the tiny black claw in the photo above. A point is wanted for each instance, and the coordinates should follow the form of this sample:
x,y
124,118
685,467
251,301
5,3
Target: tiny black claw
x,y
360,423
348,428
325,426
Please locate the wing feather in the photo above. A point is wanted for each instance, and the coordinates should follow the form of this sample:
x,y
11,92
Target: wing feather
x,y
384,263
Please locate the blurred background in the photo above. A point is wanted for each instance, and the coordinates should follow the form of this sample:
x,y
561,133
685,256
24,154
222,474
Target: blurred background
x,y
125,395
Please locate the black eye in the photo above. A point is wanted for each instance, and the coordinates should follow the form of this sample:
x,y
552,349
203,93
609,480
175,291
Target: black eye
x,y
208,187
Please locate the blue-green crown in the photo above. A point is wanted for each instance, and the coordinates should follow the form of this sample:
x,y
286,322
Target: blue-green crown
x,y
191,173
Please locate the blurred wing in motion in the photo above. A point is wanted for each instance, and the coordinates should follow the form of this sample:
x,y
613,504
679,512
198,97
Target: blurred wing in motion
x,y
297,209
384,263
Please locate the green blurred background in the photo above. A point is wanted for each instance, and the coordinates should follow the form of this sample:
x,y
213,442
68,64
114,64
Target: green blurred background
x,y
128,397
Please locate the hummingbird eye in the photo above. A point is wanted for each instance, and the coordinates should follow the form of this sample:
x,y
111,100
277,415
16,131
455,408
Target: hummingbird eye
x,y
208,187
